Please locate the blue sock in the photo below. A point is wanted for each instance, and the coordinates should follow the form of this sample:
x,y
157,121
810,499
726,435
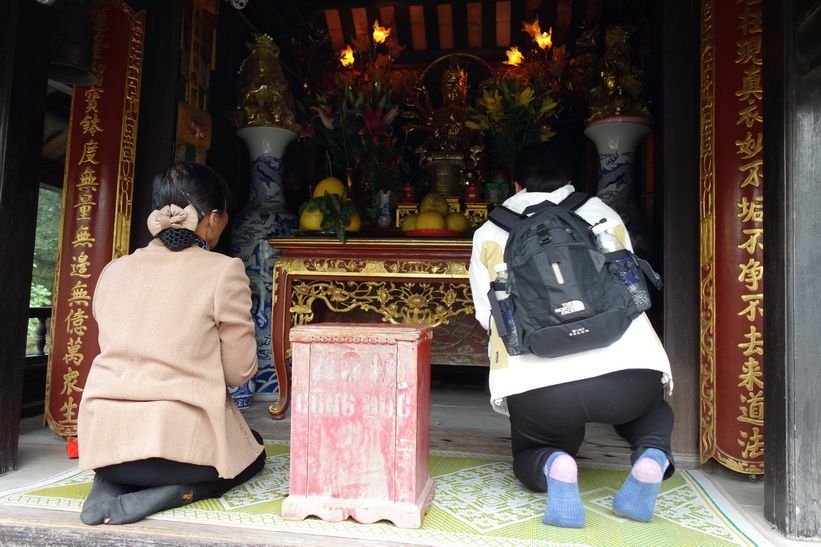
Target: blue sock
x,y
636,499
564,504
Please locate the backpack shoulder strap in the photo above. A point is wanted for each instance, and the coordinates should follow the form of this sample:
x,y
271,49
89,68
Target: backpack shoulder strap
x,y
574,200
504,218
538,207
571,203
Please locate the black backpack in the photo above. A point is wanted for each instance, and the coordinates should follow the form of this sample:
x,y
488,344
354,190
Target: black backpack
x,y
564,295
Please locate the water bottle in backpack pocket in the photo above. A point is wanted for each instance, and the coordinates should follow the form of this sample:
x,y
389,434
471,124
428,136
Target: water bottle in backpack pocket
x,y
624,265
500,297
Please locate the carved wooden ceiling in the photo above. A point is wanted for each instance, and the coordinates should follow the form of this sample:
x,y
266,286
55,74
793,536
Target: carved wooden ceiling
x,y
432,28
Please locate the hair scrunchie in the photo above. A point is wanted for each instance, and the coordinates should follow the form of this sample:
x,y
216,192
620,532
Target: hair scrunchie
x,y
173,216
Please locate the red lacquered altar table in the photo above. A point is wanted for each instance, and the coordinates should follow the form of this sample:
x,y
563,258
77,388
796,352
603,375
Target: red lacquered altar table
x,y
392,280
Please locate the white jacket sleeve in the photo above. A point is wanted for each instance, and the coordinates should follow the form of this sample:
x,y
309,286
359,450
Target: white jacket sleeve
x,y
479,282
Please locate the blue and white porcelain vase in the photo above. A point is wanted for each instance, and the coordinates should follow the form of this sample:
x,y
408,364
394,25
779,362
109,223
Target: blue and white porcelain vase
x,y
384,216
617,139
265,216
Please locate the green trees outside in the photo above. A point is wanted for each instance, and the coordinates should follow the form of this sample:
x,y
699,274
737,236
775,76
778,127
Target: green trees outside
x,y
46,241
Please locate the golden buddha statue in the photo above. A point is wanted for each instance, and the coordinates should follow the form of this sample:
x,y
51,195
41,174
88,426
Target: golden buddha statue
x,y
451,152
264,98
447,125
619,92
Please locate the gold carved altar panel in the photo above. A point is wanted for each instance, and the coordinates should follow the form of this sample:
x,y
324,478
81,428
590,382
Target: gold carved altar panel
x,y
392,281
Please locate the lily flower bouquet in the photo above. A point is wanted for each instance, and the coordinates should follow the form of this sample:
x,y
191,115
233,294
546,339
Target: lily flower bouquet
x,y
513,112
355,121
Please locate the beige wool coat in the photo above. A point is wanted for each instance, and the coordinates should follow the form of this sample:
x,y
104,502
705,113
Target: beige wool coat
x,y
175,330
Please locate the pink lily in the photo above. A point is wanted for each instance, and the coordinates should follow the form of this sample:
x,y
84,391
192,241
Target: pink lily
x,y
373,121
324,116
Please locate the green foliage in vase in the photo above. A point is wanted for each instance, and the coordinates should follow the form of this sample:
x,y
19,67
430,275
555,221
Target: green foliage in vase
x,y
512,113
336,214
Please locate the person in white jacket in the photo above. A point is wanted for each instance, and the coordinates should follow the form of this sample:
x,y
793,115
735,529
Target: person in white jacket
x,y
549,400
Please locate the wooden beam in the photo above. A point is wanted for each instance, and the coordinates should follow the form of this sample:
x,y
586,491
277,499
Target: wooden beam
x,y
489,23
348,26
157,122
24,39
517,16
792,408
676,217
51,173
431,26
401,15
373,15
460,26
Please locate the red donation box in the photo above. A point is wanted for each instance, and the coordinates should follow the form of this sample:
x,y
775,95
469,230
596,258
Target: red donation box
x,y
360,423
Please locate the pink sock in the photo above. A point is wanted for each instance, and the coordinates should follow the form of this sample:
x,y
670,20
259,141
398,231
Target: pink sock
x,y
647,470
564,504
564,468
636,499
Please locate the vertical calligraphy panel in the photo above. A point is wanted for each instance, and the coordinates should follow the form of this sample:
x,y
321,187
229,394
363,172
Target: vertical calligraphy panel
x,y
732,219
97,194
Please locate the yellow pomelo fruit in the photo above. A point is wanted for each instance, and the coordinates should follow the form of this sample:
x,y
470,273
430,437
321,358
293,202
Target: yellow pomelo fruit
x,y
409,222
430,220
311,221
456,221
355,225
434,202
331,185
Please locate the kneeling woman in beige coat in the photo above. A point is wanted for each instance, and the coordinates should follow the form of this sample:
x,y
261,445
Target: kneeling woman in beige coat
x,y
156,422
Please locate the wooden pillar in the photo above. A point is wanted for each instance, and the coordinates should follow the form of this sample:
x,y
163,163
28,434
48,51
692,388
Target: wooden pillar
x,y
158,94
676,165
792,320
23,77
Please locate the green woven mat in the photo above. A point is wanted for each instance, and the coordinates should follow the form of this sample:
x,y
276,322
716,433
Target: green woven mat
x,y
478,502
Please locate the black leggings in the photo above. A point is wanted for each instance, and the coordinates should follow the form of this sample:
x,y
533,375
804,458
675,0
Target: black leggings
x,y
552,419
159,472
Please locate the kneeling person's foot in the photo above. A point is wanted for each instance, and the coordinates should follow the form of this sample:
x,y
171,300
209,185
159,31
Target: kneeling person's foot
x,y
564,503
135,506
636,499
101,491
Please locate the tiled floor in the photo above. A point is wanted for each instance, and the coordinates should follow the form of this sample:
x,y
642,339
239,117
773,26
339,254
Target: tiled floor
x,y
461,419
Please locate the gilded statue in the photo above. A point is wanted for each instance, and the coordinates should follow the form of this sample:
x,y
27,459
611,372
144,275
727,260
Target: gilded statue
x,y
447,131
264,97
451,151
619,92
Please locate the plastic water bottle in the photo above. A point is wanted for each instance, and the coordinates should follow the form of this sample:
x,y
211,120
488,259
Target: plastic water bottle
x,y
625,268
512,339
608,243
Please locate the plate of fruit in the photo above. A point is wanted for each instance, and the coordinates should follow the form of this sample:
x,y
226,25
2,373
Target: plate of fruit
x,y
435,219
329,212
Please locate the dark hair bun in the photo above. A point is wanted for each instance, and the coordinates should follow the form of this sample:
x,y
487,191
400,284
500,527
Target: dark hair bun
x,y
177,239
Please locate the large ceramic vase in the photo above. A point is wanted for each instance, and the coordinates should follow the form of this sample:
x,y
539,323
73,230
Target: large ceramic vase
x,y
265,216
617,139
